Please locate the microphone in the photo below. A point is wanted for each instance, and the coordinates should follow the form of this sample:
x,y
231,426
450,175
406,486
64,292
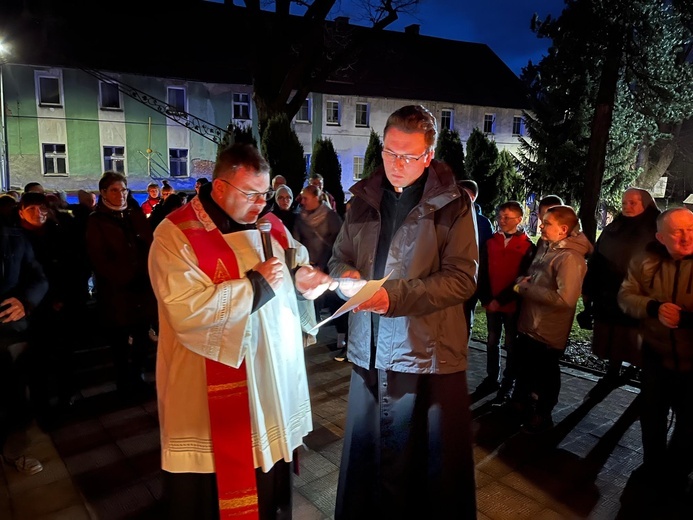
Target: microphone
x,y
265,227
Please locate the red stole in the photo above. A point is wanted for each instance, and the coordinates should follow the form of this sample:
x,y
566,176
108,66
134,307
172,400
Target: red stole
x,y
227,388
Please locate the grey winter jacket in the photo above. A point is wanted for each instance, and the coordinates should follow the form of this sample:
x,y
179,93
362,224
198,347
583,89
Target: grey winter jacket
x,y
654,277
548,304
434,259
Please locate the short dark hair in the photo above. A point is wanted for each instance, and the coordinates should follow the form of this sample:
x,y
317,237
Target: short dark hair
x,y
109,178
240,155
551,200
33,198
470,185
31,185
512,205
414,118
202,181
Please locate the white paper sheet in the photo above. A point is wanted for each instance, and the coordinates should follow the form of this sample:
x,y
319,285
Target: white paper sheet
x,y
365,294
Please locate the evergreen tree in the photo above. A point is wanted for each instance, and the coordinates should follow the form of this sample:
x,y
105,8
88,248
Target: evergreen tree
x,y
374,155
325,162
615,81
284,152
451,151
480,166
510,183
244,134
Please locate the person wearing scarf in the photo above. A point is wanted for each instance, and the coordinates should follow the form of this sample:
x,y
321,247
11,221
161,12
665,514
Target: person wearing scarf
x,y
118,241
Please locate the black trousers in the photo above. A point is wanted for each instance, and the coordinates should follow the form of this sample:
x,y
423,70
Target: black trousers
x,y
193,496
663,389
407,448
538,373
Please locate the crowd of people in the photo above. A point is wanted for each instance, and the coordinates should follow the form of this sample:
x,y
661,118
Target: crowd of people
x,y
231,282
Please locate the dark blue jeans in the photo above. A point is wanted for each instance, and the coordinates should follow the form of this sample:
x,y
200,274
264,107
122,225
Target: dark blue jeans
x,y
495,323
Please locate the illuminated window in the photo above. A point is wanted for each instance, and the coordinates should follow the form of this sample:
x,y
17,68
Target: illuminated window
x,y
114,159
332,112
176,100
358,168
446,119
54,159
241,106
178,160
518,125
303,114
362,114
489,123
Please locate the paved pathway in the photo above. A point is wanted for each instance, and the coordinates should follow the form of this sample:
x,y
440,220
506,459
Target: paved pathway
x,y
103,462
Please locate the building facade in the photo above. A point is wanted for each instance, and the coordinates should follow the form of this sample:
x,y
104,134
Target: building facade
x,y
64,127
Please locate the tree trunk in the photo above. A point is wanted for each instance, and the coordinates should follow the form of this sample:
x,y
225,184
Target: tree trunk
x,y
601,125
659,158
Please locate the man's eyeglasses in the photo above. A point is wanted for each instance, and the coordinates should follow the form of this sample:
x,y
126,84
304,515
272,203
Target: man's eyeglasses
x,y
254,196
118,190
406,159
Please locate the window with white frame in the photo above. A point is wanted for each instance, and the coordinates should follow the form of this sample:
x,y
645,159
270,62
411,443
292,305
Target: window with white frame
x,y
176,99
303,115
49,91
332,112
489,123
358,168
446,119
114,159
109,96
518,125
362,118
241,106
54,159
178,162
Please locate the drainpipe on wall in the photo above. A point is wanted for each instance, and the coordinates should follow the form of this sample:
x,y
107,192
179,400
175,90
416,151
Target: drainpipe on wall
x,y
4,151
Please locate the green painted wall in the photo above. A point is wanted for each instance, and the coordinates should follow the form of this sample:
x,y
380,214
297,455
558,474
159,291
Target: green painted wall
x,y
82,122
22,124
137,130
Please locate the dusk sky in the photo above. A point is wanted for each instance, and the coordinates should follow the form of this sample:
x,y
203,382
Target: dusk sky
x,y
503,25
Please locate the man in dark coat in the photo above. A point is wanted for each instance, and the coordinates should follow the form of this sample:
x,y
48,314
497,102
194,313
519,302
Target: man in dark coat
x,y
118,241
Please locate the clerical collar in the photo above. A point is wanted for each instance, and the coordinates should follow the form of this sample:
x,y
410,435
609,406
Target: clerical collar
x,y
398,190
225,223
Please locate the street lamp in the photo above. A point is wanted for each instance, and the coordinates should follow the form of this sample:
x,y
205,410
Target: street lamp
x,y
4,150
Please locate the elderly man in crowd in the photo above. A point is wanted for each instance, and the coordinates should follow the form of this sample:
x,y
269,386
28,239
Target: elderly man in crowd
x,y
657,291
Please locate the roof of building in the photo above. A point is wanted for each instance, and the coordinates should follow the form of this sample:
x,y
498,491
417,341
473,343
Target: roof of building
x,y
208,42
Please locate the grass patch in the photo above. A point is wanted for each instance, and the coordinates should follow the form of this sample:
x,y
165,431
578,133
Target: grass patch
x,y
480,331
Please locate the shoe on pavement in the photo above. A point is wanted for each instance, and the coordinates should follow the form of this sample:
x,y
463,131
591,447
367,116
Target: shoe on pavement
x,y
501,400
28,465
538,424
